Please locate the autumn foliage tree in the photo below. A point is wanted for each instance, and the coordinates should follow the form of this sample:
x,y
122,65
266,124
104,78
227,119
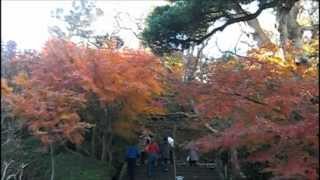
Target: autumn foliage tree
x,y
274,107
56,93
125,85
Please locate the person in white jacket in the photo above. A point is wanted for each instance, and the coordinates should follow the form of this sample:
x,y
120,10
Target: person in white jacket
x,y
171,143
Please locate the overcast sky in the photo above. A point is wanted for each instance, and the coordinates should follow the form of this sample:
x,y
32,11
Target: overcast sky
x,y
26,22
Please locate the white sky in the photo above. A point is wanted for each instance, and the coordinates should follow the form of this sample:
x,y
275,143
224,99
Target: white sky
x,y
26,22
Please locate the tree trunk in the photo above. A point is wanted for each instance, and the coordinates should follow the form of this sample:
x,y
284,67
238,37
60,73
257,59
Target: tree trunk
x,y
294,29
52,162
109,149
260,36
192,60
78,148
288,27
93,142
107,137
104,147
235,165
220,168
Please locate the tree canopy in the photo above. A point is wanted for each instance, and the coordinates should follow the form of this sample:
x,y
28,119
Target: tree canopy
x,y
83,102
274,107
187,22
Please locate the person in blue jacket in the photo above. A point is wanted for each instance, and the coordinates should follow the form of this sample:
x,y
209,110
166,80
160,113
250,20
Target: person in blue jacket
x,y
131,157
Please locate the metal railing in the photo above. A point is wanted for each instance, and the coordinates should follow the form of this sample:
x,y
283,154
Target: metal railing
x,y
173,153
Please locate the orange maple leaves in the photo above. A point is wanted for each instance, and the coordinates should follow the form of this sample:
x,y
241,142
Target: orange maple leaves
x,y
59,84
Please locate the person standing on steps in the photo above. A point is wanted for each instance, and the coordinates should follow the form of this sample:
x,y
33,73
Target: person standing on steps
x,y
152,150
164,154
171,143
193,155
145,141
131,157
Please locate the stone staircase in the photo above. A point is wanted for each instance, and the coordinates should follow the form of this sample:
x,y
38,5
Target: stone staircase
x,y
141,173
205,171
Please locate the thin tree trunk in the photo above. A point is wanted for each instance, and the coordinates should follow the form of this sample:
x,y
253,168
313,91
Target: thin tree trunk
x,y
78,148
235,165
104,135
109,149
109,137
52,162
220,168
93,142
104,146
225,171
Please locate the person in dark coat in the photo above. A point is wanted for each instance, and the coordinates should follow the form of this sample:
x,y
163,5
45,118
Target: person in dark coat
x,y
164,153
131,157
145,142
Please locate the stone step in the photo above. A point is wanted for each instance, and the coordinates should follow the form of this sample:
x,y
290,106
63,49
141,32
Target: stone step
x,y
201,172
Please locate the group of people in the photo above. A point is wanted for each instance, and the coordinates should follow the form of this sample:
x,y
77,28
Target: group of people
x,y
155,153
151,151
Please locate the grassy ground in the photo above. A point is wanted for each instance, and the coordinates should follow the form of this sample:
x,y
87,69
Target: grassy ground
x,y
69,166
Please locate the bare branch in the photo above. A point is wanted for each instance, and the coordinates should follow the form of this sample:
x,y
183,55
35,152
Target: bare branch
x,y
135,21
236,20
228,52
6,166
210,128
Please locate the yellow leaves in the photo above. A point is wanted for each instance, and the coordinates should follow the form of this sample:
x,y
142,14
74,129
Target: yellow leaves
x,y
277,60
287,65
312,71
5,89
67,116
231,64
304,20
308,48
312,47
21,79
174,63
274,56
268,53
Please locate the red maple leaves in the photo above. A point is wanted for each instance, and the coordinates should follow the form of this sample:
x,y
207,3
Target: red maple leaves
x,y
271,104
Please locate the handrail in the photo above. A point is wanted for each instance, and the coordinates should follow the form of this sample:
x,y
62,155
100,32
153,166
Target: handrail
x,y
198,164
123,171
173,153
